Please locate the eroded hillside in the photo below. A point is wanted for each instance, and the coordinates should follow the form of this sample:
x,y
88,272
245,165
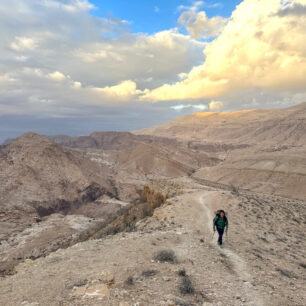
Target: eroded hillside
x,y
262,150
171,258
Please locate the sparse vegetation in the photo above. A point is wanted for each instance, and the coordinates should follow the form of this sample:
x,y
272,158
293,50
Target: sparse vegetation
x,y
303,265
149,273
186,286
165,256
130,281
126,217
182,272
153,197
81,283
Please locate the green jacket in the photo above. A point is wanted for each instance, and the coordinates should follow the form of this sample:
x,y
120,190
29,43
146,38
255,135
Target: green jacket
x,y
220,222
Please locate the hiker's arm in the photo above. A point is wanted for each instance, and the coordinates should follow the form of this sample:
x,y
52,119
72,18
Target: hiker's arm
x,y
214,224
226,224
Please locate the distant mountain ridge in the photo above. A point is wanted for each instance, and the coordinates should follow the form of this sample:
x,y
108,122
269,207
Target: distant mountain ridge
x,y
249,127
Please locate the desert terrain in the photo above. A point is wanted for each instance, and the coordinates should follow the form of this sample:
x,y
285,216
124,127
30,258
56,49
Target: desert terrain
x,y
119,218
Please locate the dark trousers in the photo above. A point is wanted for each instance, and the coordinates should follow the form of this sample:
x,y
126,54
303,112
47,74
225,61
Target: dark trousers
x,y
220,232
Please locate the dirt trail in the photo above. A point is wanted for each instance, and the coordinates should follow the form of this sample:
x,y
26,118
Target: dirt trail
x,y
239,264
246,272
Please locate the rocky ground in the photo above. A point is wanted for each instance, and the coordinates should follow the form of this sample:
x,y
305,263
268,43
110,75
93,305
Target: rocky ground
x,y
172,259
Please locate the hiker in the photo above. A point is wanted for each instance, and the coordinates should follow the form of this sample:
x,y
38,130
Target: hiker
x,y
221,223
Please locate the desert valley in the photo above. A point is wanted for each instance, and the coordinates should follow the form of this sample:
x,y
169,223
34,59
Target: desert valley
x,y
125,218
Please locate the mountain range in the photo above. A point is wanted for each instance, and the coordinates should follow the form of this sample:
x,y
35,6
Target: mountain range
x,y
146,191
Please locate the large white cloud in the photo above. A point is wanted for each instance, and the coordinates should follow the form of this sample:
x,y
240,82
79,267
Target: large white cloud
x,y
57,58
263,46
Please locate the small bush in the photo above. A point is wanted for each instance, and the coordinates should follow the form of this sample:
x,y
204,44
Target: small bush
x,y
182,272
165,256
234,189
186,286
149,273
303,265
130,280
81,283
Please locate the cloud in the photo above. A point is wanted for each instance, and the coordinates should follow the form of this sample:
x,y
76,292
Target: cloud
x,y
215,106
5,78
193,8
256,49
124,90
57,76
196,5
23,43
156,9
58,59
293,9
183,106
71,6
215,5
200,26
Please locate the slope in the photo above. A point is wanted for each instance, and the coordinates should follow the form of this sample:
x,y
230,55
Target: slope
x,y
159,160
38,179
257,266
265,126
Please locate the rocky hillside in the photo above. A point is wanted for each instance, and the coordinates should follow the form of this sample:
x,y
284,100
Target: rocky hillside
x,y
108,140
282,172
158,160
42,181
39,178
262,150
38,174
172,258
268,127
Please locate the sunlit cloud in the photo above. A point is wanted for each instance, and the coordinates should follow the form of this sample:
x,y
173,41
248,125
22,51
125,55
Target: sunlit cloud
x,y
24,43
183,106
57,76
125,90
58,60
215,106
258,48
200,26
58,52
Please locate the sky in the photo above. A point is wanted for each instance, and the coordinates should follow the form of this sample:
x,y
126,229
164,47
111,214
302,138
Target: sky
x,y
78,66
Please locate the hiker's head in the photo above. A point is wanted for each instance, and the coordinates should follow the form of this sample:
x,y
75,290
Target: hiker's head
x,y
222,214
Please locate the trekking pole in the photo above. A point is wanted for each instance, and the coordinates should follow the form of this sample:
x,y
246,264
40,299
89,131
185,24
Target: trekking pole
x,y
212,237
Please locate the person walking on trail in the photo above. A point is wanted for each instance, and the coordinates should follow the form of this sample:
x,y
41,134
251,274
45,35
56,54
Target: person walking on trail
x,y
220,223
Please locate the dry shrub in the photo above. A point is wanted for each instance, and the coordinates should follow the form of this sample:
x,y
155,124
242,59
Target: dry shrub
x,y
149,273
186,286
153,197
165,256
130,281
